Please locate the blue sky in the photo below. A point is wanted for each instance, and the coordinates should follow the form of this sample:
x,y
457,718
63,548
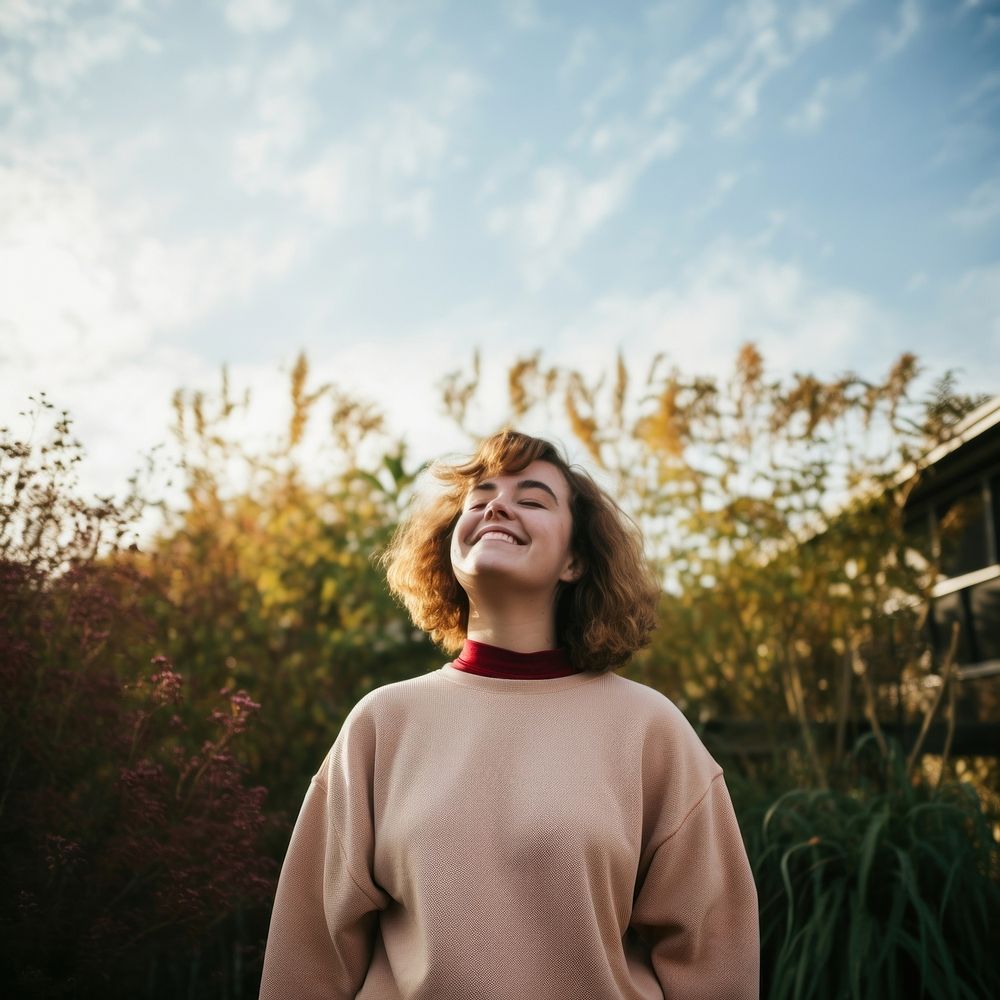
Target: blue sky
x,y
389,184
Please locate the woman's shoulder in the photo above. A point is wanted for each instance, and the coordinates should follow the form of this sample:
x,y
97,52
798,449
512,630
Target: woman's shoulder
x,y
378,711
650,704
385,701
668,737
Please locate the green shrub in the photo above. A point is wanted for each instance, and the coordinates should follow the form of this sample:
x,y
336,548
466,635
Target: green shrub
x,y
877,893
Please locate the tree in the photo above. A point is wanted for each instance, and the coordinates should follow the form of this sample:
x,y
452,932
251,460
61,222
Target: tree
x,y
773,511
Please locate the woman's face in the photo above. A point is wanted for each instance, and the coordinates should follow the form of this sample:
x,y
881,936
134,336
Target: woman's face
x,y
515,530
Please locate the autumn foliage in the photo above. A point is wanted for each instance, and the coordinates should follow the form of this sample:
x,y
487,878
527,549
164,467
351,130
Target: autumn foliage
x,y
128,827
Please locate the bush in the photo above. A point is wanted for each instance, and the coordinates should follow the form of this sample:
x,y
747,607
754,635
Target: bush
x,y
130,839
876,892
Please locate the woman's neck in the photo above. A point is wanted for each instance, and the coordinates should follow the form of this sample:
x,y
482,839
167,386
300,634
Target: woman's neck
x,y
522,630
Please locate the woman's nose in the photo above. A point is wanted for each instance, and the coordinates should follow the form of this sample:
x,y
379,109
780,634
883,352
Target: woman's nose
x,y
496,508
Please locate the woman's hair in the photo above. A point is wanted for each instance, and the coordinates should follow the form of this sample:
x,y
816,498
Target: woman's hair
x,y
601,619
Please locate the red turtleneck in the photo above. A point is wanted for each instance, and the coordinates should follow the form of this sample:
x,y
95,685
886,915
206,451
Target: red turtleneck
x,y
493,661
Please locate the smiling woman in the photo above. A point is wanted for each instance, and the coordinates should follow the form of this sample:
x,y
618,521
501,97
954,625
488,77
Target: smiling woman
x,y
522,822
578,580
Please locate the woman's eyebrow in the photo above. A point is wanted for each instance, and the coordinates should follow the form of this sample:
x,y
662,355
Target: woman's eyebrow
x,y
524,484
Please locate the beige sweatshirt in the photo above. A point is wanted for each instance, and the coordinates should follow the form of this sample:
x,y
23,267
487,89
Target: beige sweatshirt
x,y
478,837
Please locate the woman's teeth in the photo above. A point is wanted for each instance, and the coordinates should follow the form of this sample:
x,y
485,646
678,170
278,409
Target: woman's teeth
x,y
497,534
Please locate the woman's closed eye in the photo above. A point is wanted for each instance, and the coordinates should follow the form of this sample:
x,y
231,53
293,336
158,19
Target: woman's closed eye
x,y
524,503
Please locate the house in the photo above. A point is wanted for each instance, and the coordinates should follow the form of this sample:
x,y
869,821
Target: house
x,y
956,505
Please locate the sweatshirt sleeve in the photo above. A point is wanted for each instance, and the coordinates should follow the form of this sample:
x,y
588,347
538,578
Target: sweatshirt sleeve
x,y
696,908
326,907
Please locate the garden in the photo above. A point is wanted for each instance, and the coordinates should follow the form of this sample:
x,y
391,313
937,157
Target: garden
x,y
168,693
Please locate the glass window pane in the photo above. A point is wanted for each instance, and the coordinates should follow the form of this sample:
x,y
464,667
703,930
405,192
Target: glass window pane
x,y
985,607
917,529
962,533
946,610
995,514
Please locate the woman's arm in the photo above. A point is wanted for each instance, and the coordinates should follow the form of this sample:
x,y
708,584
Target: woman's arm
x,y
326,908
697,906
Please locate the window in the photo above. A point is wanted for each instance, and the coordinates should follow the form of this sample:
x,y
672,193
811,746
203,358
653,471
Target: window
x,y
963,533
984,605
946,611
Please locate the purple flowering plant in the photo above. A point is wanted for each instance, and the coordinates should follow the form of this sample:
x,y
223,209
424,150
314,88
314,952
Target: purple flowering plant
x,y
131,838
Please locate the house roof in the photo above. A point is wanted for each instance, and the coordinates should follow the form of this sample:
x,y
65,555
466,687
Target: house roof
x,y
974,443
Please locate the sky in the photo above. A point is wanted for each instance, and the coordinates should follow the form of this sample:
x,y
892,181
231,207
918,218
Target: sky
x,y
391,184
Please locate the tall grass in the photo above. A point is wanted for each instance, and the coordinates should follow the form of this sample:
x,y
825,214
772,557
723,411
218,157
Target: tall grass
x,y
877,893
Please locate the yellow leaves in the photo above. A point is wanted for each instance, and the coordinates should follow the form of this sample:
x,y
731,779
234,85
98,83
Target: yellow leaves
x,y
179,428
268,583
667,427
458,391
300,408
198,412
749,367
621,391
302,401
516,389
352,421
584,427
904,370
328,592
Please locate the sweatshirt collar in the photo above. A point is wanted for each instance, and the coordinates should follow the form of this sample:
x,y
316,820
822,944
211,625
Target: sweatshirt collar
x,y
494,661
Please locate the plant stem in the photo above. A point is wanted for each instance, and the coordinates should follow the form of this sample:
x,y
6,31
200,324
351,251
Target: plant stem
x,y
932,709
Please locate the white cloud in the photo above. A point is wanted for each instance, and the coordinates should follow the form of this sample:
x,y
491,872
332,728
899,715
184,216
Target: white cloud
x,y
730,295
583,48
812,22
98,305
505,169
959,141
26,20
979,289
564,206
613,83
813,112
982,206
991,27
370,24
58,257
893,40
985,89
56,45
763,55
89,285
415,209
10,87
325,185
251,16
283,112
685,73
767,42
381,169
524,14
372,175
962,331
725,182
173,284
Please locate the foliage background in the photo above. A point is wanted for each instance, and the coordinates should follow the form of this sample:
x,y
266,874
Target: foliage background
x,y
168,701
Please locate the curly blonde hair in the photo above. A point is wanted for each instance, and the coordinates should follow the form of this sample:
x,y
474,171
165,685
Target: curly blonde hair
x,y
601,619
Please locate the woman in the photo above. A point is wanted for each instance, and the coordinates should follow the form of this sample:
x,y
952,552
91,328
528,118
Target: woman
x,y
522,823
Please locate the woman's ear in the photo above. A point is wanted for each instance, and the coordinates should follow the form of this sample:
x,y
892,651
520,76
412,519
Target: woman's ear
x,y
573,571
